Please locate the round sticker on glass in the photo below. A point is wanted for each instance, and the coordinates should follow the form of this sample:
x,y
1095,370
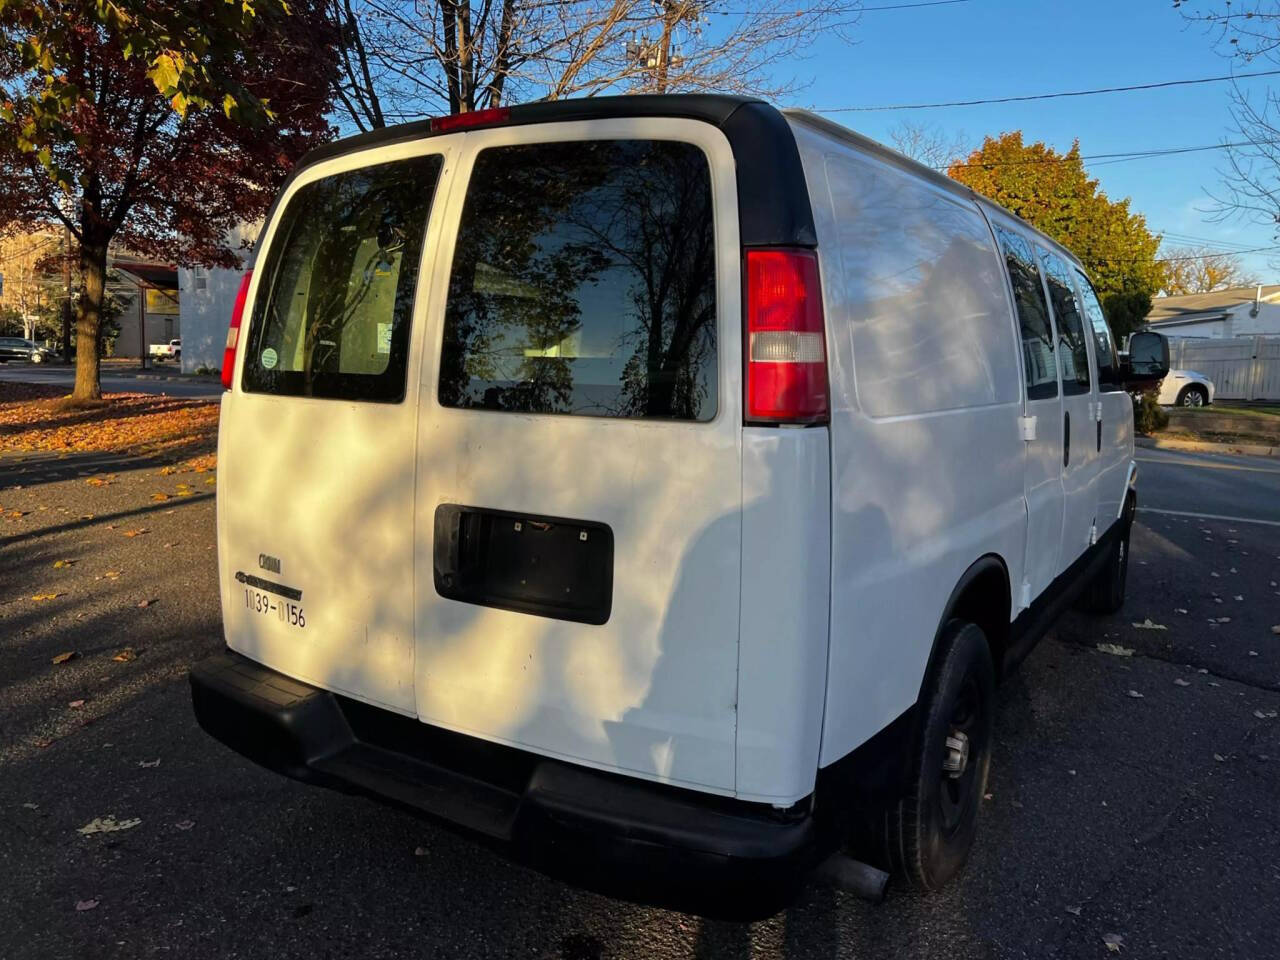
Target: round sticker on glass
x,y
269,358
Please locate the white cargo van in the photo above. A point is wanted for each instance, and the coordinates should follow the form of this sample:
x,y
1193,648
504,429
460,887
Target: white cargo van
x,y
656,486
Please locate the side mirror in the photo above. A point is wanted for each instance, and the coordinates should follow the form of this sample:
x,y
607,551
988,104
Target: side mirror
x,y
1148,360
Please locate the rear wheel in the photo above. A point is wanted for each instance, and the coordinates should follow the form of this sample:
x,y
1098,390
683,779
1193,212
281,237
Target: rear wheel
x,y
1193,395
1105,592
925,835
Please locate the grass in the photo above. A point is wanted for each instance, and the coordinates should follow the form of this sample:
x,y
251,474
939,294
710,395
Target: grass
x,y
1259,410
39,417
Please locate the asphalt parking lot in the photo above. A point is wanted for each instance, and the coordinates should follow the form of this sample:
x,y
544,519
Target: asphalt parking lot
x,y
1133,795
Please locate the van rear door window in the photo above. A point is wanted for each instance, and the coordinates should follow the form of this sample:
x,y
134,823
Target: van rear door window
x,y
332,313
1033,316
583,282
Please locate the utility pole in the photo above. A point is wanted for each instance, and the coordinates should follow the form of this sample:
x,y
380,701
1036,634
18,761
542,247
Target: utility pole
x,y
656,57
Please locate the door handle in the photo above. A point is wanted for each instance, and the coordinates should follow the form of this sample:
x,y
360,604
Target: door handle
x,y
1099,422
1066,437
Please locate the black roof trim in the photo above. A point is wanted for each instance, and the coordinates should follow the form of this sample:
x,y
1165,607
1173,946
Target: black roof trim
x,y
773,201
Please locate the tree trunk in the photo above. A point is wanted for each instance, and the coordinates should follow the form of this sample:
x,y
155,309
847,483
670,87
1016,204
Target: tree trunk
x,y
93,271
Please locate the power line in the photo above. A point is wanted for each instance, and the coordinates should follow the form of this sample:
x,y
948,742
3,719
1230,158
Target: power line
x,y
1204,256
891,6
1051,96
1105,158
1226,246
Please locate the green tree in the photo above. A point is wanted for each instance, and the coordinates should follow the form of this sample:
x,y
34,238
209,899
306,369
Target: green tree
x,y
1052,192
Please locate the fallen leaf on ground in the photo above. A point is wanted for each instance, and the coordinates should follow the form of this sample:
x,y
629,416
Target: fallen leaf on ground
x,y
1074,911
1219,757
31,806
1114,942
1116,650
64,657
112,574
149,763
76,703
1276,629
1253,653
146,603
1135,694
83,905
185,824
1148,624
134,533
125,655
108,824
1224,620
1265,714
159,497
59,564
1182,683
1179,610
419,851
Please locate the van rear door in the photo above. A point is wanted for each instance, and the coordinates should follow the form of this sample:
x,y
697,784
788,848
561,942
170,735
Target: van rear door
x,y
579,447
316,457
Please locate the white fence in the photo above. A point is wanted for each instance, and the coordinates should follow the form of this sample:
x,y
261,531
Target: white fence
x,y
1241,368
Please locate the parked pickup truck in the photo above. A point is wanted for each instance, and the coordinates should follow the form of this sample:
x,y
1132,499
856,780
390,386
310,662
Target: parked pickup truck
x,y
167,351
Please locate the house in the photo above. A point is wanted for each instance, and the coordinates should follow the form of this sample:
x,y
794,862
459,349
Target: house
x,y
1223,314
148,293
208,296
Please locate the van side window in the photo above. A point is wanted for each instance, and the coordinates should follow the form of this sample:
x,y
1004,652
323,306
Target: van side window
x,y
583,282
1033,316
1074,355
1104,349
332,317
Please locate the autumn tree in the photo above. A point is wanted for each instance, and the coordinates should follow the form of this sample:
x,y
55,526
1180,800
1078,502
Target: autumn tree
x,y
1052,192
402,59
158,126
1198,269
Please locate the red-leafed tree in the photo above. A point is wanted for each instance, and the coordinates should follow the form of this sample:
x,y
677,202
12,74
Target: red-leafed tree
x,y
159,128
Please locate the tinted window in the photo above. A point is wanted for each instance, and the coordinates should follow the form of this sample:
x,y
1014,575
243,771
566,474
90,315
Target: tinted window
x,y
1033,316
584,283
1104,350
332,313
1074,355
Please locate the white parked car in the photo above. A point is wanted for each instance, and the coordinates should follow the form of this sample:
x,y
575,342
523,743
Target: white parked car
x,y
1185,388
658,486
167,351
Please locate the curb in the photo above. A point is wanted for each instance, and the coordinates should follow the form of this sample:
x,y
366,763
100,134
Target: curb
x,y
187,378
1204,446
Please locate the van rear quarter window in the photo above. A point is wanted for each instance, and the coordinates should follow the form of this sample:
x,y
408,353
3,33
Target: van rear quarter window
x,y
332,315
583,282
1074,355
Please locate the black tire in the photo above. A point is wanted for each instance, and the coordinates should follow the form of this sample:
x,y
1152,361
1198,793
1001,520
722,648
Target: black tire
x,y
1105,592
926,834
1193,395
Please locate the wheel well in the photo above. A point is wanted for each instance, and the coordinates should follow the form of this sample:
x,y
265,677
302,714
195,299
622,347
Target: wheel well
x,y
982,597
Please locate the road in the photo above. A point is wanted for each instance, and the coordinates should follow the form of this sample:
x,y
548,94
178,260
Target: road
x,y
114,380
1151,817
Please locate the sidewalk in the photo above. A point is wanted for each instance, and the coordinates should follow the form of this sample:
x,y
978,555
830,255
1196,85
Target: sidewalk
x,y
131,367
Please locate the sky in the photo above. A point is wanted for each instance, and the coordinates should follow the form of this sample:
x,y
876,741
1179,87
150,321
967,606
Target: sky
x,y
993,48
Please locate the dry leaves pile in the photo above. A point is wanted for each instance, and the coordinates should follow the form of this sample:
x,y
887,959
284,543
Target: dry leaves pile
x,y
185,429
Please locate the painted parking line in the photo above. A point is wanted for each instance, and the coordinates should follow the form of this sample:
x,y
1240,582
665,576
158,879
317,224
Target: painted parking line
x,y
1209,516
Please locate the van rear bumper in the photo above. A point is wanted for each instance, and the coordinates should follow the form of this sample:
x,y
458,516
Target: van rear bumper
x,y
615,834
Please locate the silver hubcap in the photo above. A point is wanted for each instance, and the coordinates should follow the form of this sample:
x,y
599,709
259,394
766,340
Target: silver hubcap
x,y
1192,399
957,756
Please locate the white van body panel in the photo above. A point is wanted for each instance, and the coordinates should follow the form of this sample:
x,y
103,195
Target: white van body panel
x,y
652,692
316,484
916,497
786,583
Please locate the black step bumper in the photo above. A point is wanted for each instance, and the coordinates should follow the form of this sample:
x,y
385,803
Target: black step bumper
x,y
614,834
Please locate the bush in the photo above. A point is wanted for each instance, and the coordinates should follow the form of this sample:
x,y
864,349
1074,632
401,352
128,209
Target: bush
x,y
1148,416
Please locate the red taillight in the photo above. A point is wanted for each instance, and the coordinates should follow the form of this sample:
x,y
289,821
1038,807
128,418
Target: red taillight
x,y
233,333
786,350
476,118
